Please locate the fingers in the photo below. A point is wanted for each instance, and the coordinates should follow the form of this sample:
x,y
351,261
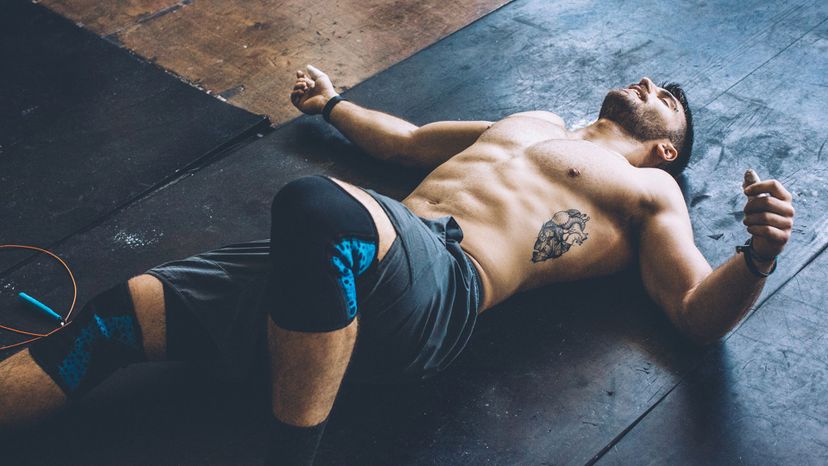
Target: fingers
x,y
769,216
302,86
769,219
772,187
756,204
769,204
307,82
770,233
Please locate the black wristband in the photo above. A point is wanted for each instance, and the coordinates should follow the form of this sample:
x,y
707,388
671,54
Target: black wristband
x,y
749,253
326,111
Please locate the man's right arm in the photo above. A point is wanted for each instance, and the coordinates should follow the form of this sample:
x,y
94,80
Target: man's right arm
x,y
705,304
384,136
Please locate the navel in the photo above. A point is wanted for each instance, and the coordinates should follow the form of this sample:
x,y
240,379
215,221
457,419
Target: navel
x,y
573,172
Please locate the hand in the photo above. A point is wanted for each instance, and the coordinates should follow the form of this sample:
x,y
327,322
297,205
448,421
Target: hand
x,y
311,91
768,216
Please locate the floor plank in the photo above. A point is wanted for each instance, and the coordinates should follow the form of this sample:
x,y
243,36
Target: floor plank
x,y
248,51
105,18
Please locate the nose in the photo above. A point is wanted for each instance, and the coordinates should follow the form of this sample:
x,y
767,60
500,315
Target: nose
x,y
647,83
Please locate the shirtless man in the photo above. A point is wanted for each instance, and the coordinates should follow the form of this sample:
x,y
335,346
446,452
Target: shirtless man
x,y
537,204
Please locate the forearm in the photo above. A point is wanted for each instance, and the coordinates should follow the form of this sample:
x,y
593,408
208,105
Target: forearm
x,y
390,138
379,134
721,300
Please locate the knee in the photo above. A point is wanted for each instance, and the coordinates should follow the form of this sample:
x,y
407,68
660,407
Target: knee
x,y
322,239
298,196
310,213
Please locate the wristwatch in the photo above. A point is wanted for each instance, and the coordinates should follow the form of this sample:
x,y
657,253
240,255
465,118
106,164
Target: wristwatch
x,y
326,111
750,254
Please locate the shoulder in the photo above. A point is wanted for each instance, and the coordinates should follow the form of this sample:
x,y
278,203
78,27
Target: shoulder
x,y
541,115
661,193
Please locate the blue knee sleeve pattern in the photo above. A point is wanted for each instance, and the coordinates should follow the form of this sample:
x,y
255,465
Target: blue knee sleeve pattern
x,y
354,258
113,330
103,336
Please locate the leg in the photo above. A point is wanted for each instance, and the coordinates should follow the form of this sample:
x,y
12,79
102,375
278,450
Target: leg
x,y
308,363
28,394
307,369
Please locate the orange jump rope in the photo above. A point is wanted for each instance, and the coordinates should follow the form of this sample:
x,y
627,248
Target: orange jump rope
x,y
38,336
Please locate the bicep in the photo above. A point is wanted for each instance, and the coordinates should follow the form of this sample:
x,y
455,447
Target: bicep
x,y
432,144
671,264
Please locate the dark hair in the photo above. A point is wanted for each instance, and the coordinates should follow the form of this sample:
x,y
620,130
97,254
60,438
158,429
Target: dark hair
x,y
683,140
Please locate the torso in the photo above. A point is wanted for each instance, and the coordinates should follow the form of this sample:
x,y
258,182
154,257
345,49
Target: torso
x,y
518,175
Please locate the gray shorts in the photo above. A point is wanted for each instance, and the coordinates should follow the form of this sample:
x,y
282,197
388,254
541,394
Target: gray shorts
x,y
417,307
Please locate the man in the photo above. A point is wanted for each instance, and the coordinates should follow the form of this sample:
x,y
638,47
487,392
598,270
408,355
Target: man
x,y
537,204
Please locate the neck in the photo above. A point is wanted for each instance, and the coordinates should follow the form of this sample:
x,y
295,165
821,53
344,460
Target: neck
x,y
613,137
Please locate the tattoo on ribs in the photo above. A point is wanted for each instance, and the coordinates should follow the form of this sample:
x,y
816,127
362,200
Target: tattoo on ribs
x,y
559,234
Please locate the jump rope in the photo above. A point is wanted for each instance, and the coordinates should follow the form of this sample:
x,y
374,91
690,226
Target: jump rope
x,y
34,303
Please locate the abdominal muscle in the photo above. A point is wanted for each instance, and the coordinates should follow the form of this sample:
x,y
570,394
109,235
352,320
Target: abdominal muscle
x,y
501,202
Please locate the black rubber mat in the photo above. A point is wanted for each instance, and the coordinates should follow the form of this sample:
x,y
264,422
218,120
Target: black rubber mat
x,y
86,126
557,375
760,399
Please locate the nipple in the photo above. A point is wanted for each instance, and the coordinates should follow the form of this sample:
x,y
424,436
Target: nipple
x,y
573,172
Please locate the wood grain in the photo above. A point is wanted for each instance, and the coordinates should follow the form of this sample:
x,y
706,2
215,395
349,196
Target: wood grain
x,y
106,18
248,50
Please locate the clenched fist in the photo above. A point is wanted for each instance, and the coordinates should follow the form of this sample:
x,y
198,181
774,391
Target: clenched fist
x,y
768,216
311,91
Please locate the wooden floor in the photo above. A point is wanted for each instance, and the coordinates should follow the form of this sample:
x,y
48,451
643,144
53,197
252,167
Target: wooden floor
x,y
247,51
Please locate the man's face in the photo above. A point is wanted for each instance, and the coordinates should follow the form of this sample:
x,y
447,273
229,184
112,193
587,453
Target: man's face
x,y
645,110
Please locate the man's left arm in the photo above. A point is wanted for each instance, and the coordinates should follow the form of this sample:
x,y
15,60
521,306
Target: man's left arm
x,y
702,303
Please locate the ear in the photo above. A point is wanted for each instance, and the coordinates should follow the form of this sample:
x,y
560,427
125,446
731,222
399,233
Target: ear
x,y
665,151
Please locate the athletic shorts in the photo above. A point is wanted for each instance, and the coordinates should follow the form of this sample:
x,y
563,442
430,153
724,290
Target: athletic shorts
x,y
416,308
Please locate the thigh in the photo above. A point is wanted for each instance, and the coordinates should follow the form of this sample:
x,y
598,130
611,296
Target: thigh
x,y
148,300
416,316
385,229
220,290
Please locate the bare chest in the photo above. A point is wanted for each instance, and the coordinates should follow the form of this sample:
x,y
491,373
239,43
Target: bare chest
x,y
537,161
558,208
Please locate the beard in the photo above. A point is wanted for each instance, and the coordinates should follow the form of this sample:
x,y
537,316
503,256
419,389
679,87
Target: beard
x,y
622,108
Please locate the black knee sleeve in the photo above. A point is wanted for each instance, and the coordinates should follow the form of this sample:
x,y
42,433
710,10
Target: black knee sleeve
x,y
102,337
322,239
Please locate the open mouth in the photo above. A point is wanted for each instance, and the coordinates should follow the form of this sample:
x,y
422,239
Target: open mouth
x,y
637,89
